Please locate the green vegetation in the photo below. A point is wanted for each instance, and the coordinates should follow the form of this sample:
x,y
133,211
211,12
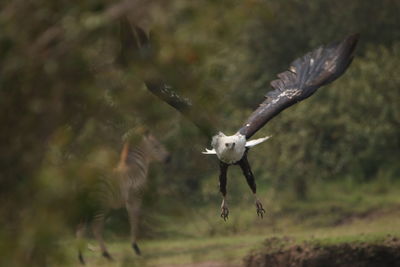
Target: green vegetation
x,y
71,91
325,221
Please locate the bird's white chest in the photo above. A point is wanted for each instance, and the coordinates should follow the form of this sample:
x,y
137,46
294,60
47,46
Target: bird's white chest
x,y
229,149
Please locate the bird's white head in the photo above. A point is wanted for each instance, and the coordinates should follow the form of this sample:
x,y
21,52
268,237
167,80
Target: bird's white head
x,y
229,149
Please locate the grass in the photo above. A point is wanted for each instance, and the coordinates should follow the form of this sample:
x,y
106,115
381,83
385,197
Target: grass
x,y
362,216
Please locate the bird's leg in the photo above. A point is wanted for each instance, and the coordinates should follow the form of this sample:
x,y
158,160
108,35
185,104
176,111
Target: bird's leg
x,y
223,168
245,166
224,209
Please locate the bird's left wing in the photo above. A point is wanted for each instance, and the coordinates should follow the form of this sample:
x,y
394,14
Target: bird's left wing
x,y
304,77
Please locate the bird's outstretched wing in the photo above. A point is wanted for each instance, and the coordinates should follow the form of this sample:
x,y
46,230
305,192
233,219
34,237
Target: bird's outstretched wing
x,y
157,84
182,104
304,77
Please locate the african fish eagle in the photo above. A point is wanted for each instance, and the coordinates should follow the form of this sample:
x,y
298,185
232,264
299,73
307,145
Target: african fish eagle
x,y
304,76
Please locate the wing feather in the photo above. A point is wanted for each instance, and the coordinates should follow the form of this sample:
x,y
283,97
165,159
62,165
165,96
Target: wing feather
x,y
181,104
304,77
166,93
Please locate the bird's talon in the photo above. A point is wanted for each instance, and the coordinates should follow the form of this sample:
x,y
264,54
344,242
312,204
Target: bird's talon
x,y
224,213
260,210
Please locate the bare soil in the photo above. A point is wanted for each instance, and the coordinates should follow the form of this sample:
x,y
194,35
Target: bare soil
x,y
277,253
205,264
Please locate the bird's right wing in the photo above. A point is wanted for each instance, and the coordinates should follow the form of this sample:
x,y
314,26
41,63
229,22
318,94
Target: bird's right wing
x,y
182,104
160,88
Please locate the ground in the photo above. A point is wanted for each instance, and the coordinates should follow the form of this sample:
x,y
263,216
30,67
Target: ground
x,y
314,254
361,231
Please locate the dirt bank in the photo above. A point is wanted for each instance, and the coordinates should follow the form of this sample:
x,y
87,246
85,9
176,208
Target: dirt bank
x,y
386,253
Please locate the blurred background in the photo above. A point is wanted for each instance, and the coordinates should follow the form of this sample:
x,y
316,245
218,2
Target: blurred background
x,y
71,91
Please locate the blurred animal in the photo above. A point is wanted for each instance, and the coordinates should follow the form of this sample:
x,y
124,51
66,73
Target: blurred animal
x,y
125,189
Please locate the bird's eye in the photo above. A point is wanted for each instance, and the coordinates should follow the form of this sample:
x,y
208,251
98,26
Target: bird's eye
x,y
226,144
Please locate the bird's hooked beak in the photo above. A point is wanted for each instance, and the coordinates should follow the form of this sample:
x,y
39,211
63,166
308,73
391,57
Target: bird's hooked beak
x,y
230,145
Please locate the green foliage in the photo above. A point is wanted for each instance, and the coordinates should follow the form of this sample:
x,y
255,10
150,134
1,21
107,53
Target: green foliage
x,y
349,129
67,105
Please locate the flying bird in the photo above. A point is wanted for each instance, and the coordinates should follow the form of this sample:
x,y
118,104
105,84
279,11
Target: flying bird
x,y
302,79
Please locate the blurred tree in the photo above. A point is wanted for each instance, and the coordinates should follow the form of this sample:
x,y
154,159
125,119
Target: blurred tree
x,y
66,103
